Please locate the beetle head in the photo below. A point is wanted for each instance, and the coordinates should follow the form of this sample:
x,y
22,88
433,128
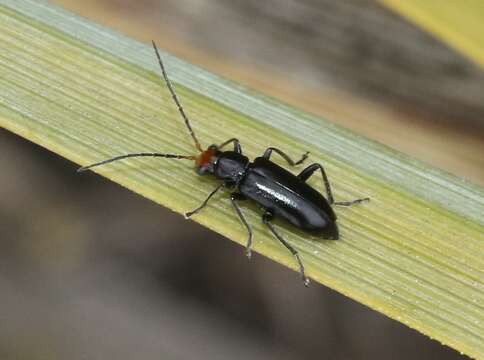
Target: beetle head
x,y
205,162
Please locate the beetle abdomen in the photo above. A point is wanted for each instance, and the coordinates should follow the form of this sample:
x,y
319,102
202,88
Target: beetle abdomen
x,y
288,198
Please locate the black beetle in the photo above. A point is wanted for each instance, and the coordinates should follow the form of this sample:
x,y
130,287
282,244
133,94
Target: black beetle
x,y
278,192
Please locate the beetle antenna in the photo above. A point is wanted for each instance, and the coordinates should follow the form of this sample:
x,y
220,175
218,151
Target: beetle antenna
x,y
175,99
169,156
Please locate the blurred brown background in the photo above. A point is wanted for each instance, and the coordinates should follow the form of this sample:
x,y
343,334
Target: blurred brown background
x,y
91,271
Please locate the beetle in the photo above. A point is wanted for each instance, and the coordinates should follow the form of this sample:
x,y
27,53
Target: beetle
x,y
277,191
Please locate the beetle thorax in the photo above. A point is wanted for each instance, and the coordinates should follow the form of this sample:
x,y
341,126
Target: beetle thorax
x,y
231,167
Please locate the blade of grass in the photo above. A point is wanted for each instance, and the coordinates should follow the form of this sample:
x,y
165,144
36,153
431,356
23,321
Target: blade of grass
x,y
413,253
459,23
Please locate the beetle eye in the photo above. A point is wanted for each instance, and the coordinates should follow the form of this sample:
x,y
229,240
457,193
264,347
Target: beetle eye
x,y
205,169
202,170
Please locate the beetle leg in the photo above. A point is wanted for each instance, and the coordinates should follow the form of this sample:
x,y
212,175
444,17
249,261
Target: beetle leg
x,y
236,142
234,197
266,218
349,203
306,174
268,152
190,213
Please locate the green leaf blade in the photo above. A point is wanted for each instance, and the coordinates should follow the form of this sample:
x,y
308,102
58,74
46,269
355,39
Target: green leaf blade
x,y
414,252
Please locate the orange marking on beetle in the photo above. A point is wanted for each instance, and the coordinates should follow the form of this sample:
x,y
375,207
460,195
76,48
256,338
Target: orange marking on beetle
x,y
205,157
